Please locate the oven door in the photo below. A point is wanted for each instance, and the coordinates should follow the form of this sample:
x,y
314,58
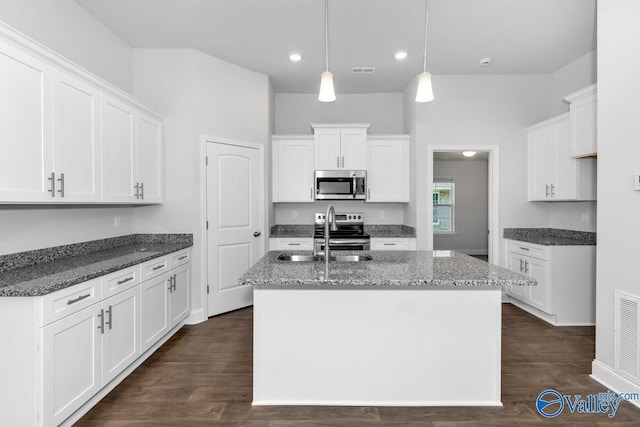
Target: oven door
x,y
344,244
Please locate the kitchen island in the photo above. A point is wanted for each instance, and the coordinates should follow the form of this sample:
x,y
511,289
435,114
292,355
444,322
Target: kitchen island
x,y
407,328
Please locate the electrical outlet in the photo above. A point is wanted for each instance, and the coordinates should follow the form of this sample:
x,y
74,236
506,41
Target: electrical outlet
x,y
294,214
381,214
116,221
585,218
636,181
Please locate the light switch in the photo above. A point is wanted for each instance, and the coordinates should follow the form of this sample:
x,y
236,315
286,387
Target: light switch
x,y
636,182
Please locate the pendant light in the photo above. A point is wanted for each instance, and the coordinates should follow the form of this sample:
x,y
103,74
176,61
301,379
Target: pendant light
x,y
425,91
327,93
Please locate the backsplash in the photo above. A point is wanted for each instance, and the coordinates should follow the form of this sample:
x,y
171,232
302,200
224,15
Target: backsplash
x,y
302,213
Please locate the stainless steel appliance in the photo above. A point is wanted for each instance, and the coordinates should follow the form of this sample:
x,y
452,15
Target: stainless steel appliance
x,y
349,236
340,185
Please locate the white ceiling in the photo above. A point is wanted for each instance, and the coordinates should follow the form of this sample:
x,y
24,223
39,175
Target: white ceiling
x,y
522,36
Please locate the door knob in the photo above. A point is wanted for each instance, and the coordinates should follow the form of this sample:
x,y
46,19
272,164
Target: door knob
x,y
256,234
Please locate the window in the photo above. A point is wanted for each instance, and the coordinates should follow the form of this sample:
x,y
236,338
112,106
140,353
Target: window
x,y
443,205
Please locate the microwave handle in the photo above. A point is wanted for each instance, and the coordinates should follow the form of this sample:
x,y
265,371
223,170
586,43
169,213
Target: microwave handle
x,y
355,188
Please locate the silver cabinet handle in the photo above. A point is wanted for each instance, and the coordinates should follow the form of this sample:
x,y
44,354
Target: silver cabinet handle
x,y
389,244
137,187
337,161
524,249
80,298
546,190
182,257
110,321
52,178
293,244
174,282
128,279
142,190
158,267
521,261
553,190
311,193
526,266
368,193
61,181
342,161
170,284
101,325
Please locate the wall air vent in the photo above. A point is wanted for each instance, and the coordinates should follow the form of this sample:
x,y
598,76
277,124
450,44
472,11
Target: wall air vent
x,y
363,70
627,349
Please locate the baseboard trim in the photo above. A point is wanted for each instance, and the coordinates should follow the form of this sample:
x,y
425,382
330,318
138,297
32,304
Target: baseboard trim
x,y
609,378
549,318
195,317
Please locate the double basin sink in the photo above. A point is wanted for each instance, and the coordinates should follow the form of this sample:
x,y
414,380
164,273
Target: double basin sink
x,y
312,258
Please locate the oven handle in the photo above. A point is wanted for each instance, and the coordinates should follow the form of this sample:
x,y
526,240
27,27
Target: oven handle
x,y
333,241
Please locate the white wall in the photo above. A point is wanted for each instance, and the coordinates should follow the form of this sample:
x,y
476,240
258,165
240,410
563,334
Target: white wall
x,y
68,29
295,112
618,160
471,205
574,76
392,213
200,96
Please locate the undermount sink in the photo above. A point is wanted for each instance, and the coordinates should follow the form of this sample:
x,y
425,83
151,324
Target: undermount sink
x,y
337,258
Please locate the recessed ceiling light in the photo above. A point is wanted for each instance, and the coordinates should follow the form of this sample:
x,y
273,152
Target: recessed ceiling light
x,y
400,55
468,153
295,57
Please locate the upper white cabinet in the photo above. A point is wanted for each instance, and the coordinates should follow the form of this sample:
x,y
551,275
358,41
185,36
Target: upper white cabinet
x,y
583,111
388,168
26,149
340,146
292,168
553,174
68,137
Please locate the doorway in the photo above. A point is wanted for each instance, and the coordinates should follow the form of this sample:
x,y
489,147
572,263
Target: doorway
x,y
463,204
234,212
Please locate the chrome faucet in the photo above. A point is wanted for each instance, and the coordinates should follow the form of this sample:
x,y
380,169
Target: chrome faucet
x,y
330,216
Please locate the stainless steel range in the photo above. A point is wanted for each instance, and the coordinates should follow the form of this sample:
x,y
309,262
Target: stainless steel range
x,y
350,235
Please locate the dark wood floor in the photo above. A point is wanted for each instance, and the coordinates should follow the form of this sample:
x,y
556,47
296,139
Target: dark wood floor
x,y
202,376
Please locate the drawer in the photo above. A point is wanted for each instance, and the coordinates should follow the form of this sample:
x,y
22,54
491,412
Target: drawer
x,y
528,249
179,258
392,244
120,280
62,303
154,267
291,244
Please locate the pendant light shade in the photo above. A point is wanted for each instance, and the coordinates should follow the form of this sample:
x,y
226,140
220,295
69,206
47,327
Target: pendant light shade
x,y
425,91
327,93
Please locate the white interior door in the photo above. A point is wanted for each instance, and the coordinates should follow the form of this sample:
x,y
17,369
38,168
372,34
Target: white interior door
x,y
234,223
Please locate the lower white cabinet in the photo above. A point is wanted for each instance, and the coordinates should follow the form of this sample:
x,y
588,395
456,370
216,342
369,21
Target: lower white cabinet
x,y
291,243
565,276
72,345
393,244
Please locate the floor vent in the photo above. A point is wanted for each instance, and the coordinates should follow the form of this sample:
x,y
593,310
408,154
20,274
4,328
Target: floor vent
x,y
627,339
363,70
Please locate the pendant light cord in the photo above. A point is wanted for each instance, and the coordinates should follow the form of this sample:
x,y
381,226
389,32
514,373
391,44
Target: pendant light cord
x,y
426,21
326,34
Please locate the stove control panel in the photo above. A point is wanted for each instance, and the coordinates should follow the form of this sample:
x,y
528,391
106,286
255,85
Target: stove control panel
x,y
348,217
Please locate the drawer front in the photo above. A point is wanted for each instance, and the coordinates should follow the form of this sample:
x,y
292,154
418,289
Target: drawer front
x,y
293,244
67,301
154,267
391,244
528,249
120,280
179,258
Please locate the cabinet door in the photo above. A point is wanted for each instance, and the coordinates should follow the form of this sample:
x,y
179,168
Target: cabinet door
x,y
121,338
388,171
293,170
353,149
565,186
26,151
118,151
523,293
541,163
327,154
149,157
72,363
392,244
180,293
75,140
291,244
584,121
539,294
155,310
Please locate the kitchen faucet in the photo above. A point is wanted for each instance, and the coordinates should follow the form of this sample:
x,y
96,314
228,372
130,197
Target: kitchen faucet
x,y
330,216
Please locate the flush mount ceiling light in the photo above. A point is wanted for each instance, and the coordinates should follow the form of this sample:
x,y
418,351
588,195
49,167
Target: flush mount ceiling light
x,y
400,55
295,57
486,62
425,91
468,153
327,93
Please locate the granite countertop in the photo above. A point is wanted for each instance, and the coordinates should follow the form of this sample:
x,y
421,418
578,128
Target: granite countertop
x,y
551,236
374,230
388,269
42,271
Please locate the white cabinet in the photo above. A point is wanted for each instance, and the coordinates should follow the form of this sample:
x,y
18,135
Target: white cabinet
x,y
388,168
340,146
118,151
565,276
179,294
393,244
149,159
553,174
292,168
583,113
291,243
26,149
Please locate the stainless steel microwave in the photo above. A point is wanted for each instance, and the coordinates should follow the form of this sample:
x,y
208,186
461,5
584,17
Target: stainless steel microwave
x,y
341,185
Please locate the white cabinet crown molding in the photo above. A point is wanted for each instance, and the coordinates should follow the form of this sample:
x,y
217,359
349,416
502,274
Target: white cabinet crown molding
x,y
341,125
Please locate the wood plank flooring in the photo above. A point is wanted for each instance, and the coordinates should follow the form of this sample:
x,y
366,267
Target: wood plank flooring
x,y
202,377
